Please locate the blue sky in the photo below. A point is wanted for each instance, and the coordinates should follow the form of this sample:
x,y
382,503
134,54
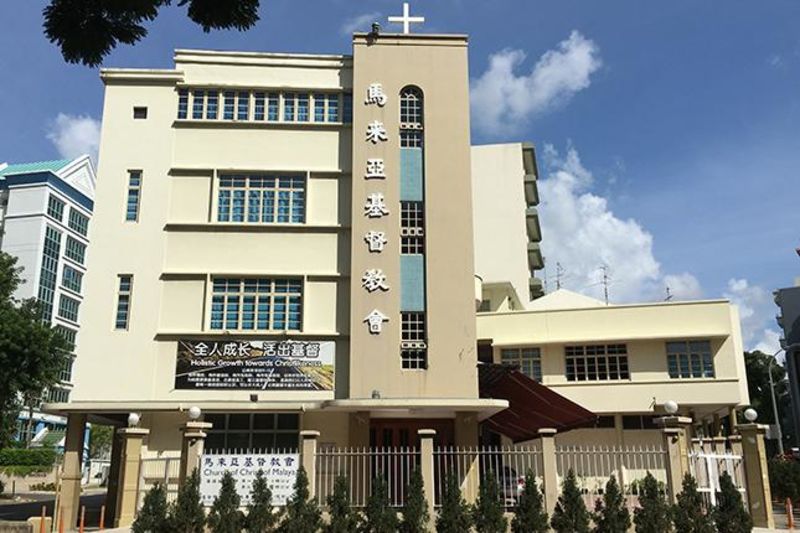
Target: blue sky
x,y
668,133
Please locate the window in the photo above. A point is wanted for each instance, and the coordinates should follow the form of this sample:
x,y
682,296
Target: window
x,y
78,221
139,113
69,335
47,278
198,102
690,359
639,422
413,346
272,107
348,108
72,279
333,108
55,208
57,395
411,108
243,108
75,250
66,371
319,107
134,195
302,107
124,290
606,421
258,113
253,431
412,228
228,105
528,360
212,109
256,304
261,199
183,103
597,362
288,107
68,308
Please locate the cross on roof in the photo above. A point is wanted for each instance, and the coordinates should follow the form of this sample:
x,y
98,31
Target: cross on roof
x,y
406,20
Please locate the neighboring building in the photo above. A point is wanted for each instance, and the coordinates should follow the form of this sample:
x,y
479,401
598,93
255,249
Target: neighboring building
x,y
788,300
45,210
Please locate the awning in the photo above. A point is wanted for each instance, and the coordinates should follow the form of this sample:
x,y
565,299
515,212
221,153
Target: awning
x,y
532,406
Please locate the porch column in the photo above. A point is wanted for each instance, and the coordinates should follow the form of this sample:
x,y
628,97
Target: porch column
x,y
550,488
759,497
71,473
466,437
194,437
308,450
128,485
426,437
112,488
676,442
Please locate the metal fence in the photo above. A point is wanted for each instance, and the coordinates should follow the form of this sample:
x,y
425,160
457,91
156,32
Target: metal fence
x,y
594,465
360,466
164,470
707,466
469,465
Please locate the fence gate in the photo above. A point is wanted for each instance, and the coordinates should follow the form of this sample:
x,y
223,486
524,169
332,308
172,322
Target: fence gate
x,y
707,466
163,470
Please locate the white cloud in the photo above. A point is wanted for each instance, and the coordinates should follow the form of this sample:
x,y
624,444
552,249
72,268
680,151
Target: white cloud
x,y
359,23
503,100
756,310
74,136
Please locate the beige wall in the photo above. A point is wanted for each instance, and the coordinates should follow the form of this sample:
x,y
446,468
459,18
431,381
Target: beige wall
x,y
438,66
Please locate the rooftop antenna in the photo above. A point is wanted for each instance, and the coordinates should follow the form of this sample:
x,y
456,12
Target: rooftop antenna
x,y
559,273
606,280
669,295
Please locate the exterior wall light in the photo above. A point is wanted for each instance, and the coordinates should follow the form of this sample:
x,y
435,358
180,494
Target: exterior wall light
x,y
133,420
194,412
671,407
750,414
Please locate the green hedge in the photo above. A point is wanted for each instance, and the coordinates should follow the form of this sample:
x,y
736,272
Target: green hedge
x,y
21,462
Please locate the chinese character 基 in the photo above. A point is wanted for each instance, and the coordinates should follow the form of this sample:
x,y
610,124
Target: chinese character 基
x,y
375,95
376,240
376,132
375,206
375,321
375,169
374,279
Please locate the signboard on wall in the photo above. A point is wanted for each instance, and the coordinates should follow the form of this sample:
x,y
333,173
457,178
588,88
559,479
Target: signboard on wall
x,y
280,471
286,365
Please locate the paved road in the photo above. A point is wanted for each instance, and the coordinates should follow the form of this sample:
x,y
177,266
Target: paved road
x,y
22,511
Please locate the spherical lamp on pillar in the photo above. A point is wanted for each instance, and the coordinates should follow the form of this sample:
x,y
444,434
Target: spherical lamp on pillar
x,y
194,413
750,414
671,407
133,420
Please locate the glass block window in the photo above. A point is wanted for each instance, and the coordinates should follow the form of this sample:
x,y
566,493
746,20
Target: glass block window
x,y
413,346
347,108
68,308
134,195
198,103
55,208
288,107
243,106
319,107
49,272
124,291
333,108
412,228
273,106
597,362
690,359
258,109
78,222
72,279
212,109
69,335
183,103
261,199
262,304
228,105
75,250
302,107
258,432
528,360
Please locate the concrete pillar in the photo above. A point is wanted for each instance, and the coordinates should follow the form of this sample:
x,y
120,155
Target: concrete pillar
x,y
619,429
128,485
676,442
113,477
308,458
426,437
71,473
194,437
550,488
759,498
466,436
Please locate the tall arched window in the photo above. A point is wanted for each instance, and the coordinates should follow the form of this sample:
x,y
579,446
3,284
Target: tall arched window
x,y
411,117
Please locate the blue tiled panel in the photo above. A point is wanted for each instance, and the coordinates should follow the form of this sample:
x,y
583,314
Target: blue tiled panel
x,y
412,282
411,174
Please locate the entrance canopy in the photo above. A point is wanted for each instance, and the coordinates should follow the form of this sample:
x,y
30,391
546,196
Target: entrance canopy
x,y
532,406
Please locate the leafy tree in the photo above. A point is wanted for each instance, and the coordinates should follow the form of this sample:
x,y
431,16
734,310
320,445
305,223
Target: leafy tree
x,y
688,513
152,518
529,513
379,516
261,517
301,514
653,513
611,515
225,516
488,512
454,516
88,30
784,478
187,515
730,514
100,440
415,508
343,518
570,514
757,368
36,351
